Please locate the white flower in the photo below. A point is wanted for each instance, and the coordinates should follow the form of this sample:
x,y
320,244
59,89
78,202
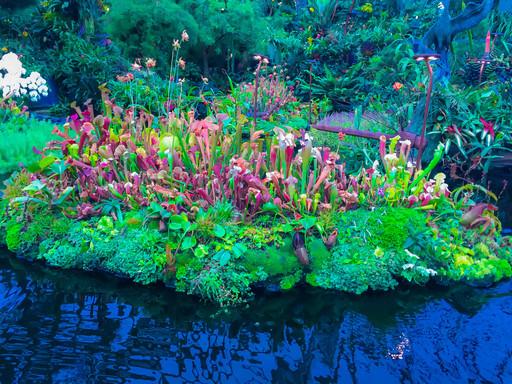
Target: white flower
x,y
12,82
235,170
34,96
390,157
270,175
410,254
285,139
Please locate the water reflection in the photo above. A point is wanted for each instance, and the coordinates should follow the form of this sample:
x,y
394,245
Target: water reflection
x,y
74,328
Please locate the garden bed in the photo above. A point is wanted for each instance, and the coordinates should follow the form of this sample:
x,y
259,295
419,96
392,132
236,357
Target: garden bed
x,y
216,206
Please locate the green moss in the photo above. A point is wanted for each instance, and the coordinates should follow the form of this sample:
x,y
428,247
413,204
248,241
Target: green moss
x,y
484,270
134,219
318,252
13,235
393,225
23,234
288,282
312,279
386,227
273,261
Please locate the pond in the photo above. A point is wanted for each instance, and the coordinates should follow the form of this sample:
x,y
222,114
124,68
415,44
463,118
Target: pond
x,y
74,327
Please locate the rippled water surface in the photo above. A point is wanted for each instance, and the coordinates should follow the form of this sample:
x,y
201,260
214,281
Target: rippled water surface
x,y
71,327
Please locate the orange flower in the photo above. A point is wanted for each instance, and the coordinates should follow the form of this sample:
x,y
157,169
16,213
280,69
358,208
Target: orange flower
x,y
397,86
125,79
150,63
184,36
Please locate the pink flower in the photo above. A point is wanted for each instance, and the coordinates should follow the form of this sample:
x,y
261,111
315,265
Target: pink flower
x,y
397,86
136,65
488,127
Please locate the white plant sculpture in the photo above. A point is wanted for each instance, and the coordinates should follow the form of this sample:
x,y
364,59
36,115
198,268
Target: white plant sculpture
x,y
13,82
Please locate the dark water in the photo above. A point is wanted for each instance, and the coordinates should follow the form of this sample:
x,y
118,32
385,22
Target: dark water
x,y
71,327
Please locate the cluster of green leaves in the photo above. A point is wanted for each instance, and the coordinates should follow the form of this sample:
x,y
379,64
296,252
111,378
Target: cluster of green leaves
x,y
372,254
379,249
458,122
20,134
466,254
356,64
223,34
79,66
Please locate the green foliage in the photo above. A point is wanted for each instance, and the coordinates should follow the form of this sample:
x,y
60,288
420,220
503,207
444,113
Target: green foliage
x,y
20,134
261,237
227,284
222,34
319,253
23,232
63,40
80,66
60,254
139,255
459,124
355,268
385,227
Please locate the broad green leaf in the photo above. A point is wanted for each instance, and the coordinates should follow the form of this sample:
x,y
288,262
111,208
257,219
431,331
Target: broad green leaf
x,y
35,186
201,251
46,162
189,242
308,222
219,231
59,167
222,257
238,250
63,196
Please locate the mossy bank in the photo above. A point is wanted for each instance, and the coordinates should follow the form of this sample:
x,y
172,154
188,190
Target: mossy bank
x,y
221,259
